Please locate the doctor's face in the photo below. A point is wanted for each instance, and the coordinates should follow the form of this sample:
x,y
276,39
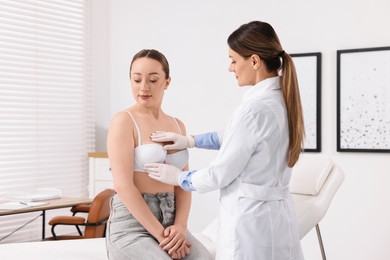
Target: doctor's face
x,y
242,68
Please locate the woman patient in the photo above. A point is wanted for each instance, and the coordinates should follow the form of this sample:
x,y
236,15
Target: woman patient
x,y
148,219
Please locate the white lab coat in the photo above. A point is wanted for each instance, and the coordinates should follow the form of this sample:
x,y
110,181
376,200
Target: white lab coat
x,y
257,216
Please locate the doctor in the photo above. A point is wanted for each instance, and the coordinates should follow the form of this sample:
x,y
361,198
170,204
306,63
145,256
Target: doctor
x,y
260,144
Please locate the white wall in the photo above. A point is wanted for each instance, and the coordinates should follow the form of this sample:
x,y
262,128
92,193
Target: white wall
x,y
203,94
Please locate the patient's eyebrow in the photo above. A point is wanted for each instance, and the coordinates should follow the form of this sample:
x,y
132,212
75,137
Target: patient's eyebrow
x,y
151,73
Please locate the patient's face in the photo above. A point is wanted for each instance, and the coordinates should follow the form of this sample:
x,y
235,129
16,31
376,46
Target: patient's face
x,y
148,82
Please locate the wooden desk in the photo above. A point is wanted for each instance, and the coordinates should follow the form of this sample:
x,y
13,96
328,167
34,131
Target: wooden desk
x,y
51,204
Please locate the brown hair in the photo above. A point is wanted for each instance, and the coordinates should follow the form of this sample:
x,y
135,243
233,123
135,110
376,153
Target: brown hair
x,y
155,55
260,38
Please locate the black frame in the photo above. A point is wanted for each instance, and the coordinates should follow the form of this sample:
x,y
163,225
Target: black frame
x,y
318,57
361,134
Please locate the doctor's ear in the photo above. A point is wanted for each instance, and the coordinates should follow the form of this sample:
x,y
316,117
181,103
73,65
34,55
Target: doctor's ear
x,y
255,59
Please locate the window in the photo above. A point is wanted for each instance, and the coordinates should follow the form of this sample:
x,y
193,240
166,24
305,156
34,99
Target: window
x,y
46,112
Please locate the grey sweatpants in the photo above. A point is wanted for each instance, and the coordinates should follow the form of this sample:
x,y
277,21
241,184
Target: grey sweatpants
x,y
127,239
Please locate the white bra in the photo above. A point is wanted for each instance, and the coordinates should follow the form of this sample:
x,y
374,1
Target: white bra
x,y
154,153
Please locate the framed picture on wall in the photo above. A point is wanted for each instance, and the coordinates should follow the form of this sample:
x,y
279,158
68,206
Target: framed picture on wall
x,y
363,100
308,67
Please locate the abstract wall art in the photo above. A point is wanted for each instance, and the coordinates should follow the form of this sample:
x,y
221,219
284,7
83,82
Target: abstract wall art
x,y
308,67
363,100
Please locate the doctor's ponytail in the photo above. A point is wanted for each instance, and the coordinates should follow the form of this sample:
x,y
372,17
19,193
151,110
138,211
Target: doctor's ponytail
x,y
292,98
260,38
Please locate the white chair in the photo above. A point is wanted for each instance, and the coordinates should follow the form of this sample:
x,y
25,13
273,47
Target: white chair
x,y
314,182
209,236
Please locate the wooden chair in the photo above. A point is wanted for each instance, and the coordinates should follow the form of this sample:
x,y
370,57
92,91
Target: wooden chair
x,y
95,224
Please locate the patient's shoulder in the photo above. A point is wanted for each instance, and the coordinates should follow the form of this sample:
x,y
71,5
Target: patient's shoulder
x,y
121,121
181,125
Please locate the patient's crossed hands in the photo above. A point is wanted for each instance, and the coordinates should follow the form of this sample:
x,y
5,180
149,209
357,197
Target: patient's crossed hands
x,y
175,241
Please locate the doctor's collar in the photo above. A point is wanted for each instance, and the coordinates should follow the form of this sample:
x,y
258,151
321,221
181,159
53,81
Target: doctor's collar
x,y
262,87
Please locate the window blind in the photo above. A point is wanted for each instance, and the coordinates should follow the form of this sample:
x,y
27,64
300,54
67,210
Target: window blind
x,y
46,112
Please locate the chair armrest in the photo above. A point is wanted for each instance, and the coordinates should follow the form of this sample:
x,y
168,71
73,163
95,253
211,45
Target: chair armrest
x,y
80,208
67,220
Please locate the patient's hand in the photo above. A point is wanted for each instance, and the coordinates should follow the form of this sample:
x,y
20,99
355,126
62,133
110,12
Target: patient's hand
x,y
175,241
182,252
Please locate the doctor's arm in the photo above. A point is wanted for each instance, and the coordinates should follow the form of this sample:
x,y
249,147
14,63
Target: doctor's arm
x,y
242,137
239,144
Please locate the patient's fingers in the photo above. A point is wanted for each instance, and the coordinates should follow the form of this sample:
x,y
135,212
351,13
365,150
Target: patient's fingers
x,y
187,249
168,238
181,252
179,247
174,255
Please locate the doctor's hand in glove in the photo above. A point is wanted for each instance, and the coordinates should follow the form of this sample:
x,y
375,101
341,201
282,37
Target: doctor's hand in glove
x,y
165,173
180,142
